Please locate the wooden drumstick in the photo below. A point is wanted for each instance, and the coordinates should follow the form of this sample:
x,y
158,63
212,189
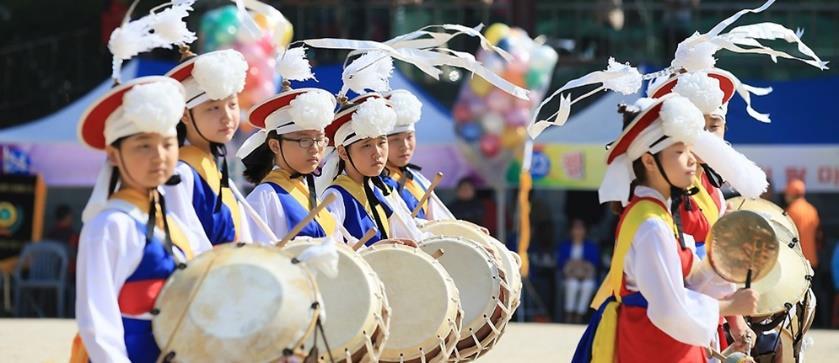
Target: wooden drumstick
x,y
367,236
299,227
437,254
437,179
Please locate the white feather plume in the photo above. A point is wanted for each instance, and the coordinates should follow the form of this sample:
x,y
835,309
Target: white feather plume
x,y
703,91
220,74
692,55
312,110
681,120
373,118
741,173
169,24
407,106
154,107
292,64
161,30
369,72
629,80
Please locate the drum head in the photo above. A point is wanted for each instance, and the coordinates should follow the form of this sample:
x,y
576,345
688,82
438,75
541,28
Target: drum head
x,y
349,299
235,303
475,273
467,230
422,296
786,283
785,229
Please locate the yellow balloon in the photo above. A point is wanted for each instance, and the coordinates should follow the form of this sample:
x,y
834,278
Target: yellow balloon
x,y
496,32
513,137
480,86
285,32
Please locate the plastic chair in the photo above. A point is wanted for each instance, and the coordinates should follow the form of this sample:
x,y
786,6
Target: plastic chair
x,y
46,262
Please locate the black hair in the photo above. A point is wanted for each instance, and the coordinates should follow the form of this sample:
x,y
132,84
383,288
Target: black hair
x,y
260,162
629,113
181,128
62,211
465,180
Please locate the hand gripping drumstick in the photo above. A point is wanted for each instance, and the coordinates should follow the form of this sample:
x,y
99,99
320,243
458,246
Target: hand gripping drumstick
x,y
367,236
299,227
437,179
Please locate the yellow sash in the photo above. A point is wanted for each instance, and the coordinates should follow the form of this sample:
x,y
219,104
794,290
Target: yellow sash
x,y
412,185
357,192
206,167
603,349
137,199
300,192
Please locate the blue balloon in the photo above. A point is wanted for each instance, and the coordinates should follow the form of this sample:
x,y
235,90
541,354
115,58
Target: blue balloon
x,y
504,44
470,131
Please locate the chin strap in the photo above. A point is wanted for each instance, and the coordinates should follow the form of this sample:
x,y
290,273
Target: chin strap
x,y
677,195
374,202
713,176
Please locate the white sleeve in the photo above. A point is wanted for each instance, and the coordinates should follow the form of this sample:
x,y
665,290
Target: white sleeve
x,y
266,204
179,200
402,225
337,205
109,250
197,241
437,211
653,264
704,279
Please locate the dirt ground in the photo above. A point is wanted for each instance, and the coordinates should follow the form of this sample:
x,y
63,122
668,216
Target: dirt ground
x,y
48,340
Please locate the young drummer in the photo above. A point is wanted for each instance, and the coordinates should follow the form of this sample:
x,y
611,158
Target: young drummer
x,y
130,243
282,157
670,300
210,118
400,174
359,135
710,92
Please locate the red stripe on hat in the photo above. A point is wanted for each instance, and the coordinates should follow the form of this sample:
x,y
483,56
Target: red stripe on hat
x,y
92,124
260,112
137,297
726,85
642,121
345,115
182,71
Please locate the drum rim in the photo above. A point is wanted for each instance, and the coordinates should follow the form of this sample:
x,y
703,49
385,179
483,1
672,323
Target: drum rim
x,y
498,288
453,303
508,263
300,336
377,298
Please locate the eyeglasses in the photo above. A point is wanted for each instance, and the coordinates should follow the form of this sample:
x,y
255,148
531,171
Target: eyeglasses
x,y
306,143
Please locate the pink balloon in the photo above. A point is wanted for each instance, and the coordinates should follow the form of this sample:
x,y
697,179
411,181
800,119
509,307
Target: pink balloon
x,y
517,116
490,145
520,103
498,101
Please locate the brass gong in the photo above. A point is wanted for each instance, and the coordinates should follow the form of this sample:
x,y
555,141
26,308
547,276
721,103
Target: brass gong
x,y
742,247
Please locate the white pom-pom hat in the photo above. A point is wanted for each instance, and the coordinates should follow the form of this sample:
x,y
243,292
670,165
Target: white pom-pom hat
x,y
368,115
661,123
211,76
290,111
711,101
152,104
408,110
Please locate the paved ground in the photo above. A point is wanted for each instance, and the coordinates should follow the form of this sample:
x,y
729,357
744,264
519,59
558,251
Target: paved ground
x,y
48,340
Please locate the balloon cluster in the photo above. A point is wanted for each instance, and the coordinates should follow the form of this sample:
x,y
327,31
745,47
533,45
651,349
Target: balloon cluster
x,y
490,117
226,28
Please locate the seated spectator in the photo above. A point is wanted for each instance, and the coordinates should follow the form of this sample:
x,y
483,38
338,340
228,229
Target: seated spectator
x,y
579,260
